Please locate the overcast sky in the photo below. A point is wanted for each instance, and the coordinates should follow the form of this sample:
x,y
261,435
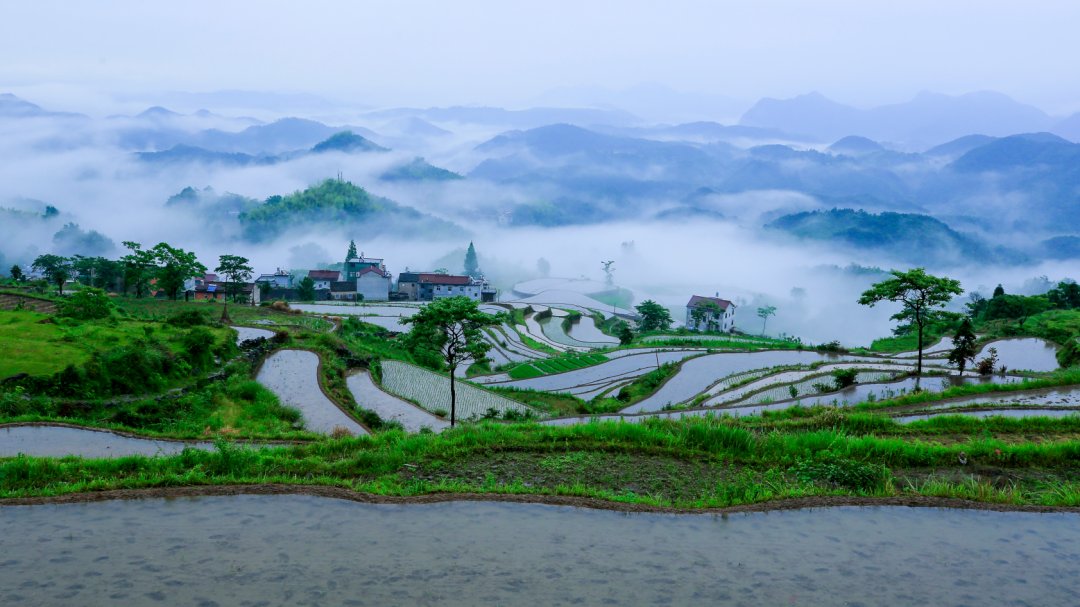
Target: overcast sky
x,y
511,53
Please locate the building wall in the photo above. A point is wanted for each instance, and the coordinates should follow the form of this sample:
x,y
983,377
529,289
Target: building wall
x,y
470,291
373,287
724,322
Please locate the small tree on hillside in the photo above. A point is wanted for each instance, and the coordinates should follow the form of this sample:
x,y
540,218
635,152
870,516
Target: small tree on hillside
x,y
174,267
351,254
449,329
920,295
626,334
654,317
16,273
56,269
964,349
306,289
609,272
764,313
472,265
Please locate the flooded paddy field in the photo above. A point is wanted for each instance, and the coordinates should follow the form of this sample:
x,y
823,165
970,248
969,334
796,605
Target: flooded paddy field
x,y
40,440
306,550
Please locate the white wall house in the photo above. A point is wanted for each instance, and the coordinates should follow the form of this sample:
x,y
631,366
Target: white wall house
x,y
373,284
717,314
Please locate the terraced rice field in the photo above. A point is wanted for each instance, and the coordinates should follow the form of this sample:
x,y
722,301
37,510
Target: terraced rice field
x,y
589,378
432,392
293,376
697,375
391,408
560,365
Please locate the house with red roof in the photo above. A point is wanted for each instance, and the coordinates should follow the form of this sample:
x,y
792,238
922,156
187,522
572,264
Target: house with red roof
x,y
710,314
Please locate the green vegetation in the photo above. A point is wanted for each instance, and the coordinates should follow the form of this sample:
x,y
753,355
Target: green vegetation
x,y
330,202
448,331
419,170
691,463
654,317
558,364
921,297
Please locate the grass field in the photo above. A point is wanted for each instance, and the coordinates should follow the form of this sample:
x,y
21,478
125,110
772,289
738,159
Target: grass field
x,y
38,344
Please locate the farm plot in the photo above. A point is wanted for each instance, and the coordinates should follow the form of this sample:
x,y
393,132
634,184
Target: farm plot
x,y
721,393
391,408
293,376
556,365
810,386
1030,353
432,392
245,333
608,372
697,375
865,392
586,331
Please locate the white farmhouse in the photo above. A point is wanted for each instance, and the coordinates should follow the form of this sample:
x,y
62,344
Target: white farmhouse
x,y
713,314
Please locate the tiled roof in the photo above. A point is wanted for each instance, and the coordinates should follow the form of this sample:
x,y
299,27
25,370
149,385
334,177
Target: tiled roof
x,y
697,299
373,269
324,274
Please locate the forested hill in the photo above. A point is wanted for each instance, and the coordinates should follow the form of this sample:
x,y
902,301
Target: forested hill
x,y
920,238
337,203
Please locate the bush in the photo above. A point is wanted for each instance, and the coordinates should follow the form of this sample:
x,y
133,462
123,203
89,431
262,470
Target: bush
x,y
188,318
988,364
87,304
844,377
841,472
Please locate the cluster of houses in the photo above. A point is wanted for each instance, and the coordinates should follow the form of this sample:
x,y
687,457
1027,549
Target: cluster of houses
x,y
361,278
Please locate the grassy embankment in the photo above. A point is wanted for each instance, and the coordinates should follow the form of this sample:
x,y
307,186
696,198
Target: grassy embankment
x,y
693,463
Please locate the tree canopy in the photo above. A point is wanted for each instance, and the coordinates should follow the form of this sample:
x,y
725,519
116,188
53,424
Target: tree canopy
x,y
56,268
174,267
448,330
919,294
964,349
236,270
654,317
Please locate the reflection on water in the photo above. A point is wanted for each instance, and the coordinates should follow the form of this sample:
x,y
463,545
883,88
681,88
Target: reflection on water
x,y
58,441
297,550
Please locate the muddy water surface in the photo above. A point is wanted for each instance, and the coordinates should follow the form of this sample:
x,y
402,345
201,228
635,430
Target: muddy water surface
x,y
300,550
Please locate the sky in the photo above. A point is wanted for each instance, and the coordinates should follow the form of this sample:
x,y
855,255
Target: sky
x,y
420,53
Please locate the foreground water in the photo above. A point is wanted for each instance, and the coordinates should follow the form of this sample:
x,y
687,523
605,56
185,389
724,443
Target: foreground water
x,y
300,550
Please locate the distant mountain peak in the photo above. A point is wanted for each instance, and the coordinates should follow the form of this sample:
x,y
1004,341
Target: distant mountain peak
x,y
347,141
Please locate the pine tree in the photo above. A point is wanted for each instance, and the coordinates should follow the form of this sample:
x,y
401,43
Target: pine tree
x,y
352,251
472,266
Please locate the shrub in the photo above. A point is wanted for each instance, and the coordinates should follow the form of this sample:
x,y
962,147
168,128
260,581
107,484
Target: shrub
x,y
844,377
188,318
988,364
841,472
87,304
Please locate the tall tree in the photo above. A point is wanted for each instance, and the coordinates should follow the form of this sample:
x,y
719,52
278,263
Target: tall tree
x,y
964,349
236,270
56,269
351,254
16,273
919,294
654,317
449,329
138,268
174,267
306,289
764,313
472,265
